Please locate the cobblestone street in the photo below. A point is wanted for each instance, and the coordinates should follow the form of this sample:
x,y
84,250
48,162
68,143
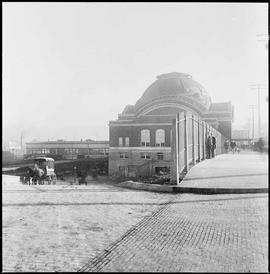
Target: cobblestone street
x,y
59,227
217,233
105,228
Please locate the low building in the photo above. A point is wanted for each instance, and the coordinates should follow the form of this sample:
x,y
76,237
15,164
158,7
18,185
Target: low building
x,y
142,134
68,149
241,137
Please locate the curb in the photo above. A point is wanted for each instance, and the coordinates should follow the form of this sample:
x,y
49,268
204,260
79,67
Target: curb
x,y
195,190
143,186
210,191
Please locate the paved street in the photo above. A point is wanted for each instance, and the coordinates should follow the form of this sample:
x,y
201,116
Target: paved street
x,y
216,233
59,227
100,227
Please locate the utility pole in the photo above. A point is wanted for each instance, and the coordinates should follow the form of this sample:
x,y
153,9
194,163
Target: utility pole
x,y
263,38
248,128
252,107
259,87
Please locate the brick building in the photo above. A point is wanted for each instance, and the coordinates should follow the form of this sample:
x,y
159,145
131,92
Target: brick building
x,y
140,139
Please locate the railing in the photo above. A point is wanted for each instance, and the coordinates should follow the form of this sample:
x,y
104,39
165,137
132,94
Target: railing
x,y
189,143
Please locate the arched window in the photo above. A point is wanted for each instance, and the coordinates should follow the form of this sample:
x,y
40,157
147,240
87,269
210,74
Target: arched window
x,y
120,141
160,137
145,137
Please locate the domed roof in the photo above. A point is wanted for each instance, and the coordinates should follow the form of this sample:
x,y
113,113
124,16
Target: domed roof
x,y
173,84
128,109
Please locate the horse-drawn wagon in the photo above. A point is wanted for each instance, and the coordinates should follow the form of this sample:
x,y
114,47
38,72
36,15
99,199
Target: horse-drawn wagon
x,y
43,172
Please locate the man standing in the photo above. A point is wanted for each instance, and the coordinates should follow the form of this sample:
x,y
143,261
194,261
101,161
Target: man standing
x,y
260,145
75,175
208,146
226,146
233,145
213,146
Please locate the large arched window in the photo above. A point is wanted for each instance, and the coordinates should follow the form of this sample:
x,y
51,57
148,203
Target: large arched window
x,y
145,137
160,137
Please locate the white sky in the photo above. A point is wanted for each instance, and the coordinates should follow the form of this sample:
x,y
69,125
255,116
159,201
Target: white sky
x,y
69,68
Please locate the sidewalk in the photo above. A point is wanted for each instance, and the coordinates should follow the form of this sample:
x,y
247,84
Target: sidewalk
x,y
229,171
246,172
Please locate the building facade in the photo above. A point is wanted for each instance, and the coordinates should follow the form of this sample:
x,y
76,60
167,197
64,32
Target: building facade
x,y
68,149
141,138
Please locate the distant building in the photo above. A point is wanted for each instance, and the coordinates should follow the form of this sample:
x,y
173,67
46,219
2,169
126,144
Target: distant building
x,y
8,156
238,134
68,149
241,137
11,152
140,139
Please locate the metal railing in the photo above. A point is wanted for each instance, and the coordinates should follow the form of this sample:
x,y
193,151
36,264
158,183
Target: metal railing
x,y
189,143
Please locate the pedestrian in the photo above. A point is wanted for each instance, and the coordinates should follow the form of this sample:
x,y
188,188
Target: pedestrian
x,y
75,174
226,146
208,146
213,147
260,145
233,145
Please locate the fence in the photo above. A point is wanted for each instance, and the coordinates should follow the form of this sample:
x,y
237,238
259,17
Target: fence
x,y
189,135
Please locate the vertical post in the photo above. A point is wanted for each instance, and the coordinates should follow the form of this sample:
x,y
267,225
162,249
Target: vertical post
x,y
253,129
259,113
72,151
174,153
203,141
202,144
177,147
186,142
205,138
193,140
199,140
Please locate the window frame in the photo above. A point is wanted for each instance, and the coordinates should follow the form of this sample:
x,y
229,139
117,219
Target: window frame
x,y
145,155
145,142
127,143
124,155
120,144
160,154
162,143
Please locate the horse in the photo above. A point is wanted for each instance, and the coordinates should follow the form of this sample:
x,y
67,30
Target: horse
x,y
33,176
29,174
